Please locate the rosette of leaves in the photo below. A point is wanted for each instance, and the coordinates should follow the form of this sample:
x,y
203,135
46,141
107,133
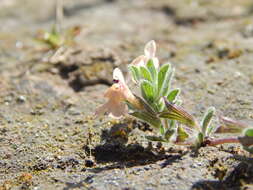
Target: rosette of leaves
x,y
163,110
154,84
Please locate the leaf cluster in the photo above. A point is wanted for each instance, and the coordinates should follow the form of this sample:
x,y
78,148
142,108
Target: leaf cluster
x,y
163,110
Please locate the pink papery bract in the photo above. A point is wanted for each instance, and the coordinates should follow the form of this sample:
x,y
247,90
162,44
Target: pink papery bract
x,y
117,94
149,53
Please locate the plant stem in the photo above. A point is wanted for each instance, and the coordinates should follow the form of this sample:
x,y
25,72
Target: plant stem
x,y
59,15
214,142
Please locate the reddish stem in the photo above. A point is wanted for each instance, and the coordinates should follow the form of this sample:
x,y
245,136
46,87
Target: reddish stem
x,y
214,142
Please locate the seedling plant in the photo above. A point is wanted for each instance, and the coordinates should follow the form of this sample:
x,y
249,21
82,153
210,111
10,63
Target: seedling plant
x,y
160,105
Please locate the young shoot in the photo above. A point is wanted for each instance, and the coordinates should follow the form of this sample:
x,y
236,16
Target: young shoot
x,y
159,105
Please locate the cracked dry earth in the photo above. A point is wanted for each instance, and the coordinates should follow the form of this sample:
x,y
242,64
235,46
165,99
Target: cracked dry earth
x,y
48,139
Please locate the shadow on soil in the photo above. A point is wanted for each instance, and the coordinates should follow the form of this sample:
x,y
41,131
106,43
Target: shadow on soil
x,y
234,180
131,155
77,83
116,151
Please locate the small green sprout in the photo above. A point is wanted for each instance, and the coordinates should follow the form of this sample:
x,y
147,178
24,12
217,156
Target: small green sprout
x,y
54,39
58,37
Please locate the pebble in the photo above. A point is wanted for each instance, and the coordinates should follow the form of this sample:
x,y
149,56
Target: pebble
x,y
89,163
21,99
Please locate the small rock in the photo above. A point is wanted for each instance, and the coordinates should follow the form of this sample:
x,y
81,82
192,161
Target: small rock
x,y
21,99
7,100
89,163
89,179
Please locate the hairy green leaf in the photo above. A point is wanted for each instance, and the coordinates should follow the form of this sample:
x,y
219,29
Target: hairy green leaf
x,y
162,76
151,119
162,130
152,69
145,74
181,134
164,79
207,120
200,139
147,91
248,132
210,130
229,125
172,124
161,105
134,72
172,96
175,112
145,105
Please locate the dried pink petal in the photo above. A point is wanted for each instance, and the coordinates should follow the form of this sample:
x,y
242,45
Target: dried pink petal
x,y
156,62
150,49
117,94
118,76
115,105
114,110
229,125
139,61
149,53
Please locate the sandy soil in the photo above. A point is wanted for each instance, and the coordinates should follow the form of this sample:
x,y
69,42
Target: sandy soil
x,y
48,139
